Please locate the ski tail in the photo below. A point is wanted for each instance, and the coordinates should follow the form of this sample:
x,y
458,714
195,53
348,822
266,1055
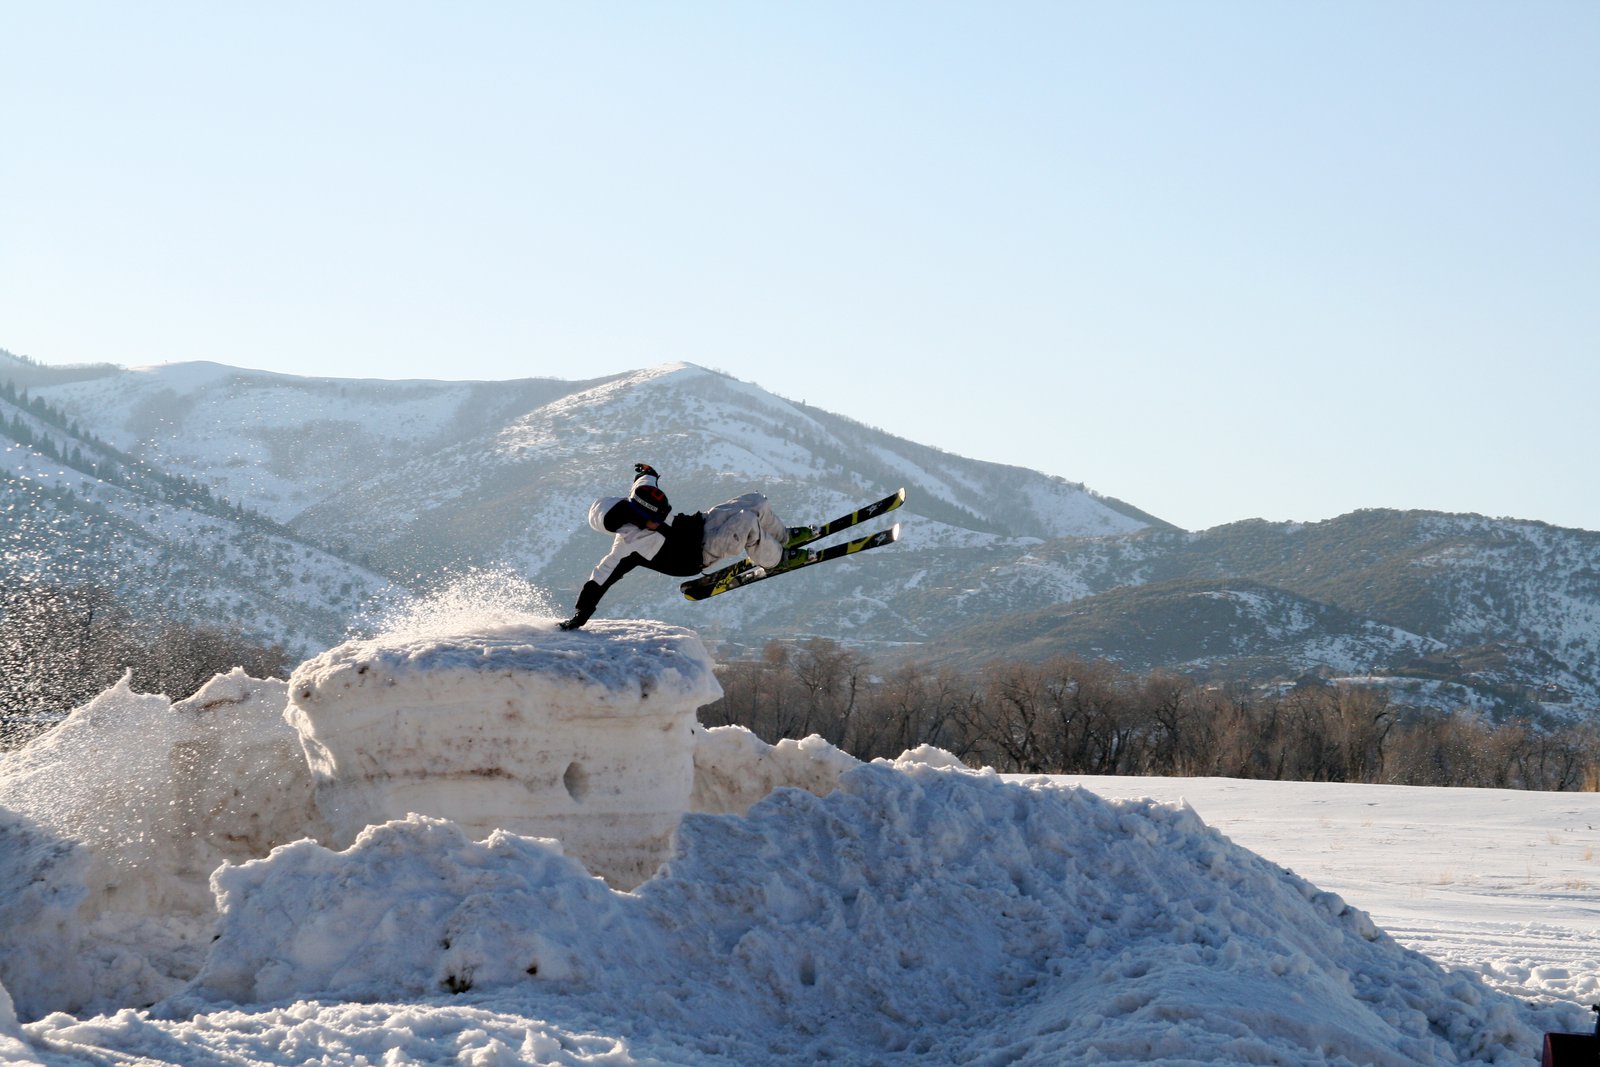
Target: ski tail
x,y
743,573
795,556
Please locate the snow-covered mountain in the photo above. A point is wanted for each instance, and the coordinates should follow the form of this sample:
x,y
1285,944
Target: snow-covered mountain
x,y
419,481
430,478
1455,610
76,510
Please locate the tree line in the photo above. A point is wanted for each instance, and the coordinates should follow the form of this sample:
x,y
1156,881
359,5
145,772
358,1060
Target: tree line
x,y
60,646
1077,716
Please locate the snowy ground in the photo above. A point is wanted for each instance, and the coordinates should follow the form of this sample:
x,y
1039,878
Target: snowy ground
x,y
919,912
1486,880
1500,881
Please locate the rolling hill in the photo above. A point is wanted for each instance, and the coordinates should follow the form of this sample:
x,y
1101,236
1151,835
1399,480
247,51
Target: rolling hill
x,y
296,504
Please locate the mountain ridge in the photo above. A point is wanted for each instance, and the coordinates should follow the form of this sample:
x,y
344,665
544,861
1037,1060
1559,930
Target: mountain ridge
x,y
432,478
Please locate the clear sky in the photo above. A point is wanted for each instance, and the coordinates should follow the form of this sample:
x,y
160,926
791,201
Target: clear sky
x,y
1220,260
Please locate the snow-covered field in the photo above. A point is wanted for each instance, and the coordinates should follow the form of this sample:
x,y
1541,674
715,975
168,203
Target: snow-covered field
x,y
1502,882
881,913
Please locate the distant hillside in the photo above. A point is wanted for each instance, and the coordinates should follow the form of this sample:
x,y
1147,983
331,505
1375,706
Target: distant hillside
x,y
430,478
1212,628
25,373
1507,612
291,500
78,511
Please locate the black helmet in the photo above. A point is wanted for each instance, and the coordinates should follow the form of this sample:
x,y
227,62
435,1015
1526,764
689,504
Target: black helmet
x,y
650,502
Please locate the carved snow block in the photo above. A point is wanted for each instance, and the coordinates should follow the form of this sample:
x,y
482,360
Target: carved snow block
x,y
584,737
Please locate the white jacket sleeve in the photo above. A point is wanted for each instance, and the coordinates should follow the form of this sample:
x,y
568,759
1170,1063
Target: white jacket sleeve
x,y
629,539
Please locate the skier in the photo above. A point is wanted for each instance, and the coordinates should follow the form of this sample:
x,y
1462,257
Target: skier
x,y
684,545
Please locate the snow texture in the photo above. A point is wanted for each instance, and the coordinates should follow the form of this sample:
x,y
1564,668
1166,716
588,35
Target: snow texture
x,y
585,736
111,823
734,768
813,909
908,912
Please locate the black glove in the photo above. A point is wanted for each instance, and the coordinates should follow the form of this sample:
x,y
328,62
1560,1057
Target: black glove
x,y
588,600
642,469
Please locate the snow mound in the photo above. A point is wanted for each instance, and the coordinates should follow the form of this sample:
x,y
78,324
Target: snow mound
x,y
111,823
414,883
8,1018
929,756
916,911
44,881
13,1046
585,736
733,768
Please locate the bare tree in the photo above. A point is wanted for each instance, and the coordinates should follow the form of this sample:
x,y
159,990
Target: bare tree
x,y
62,645
1090,716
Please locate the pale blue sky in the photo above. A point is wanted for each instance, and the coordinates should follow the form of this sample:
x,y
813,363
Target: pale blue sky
x,y
1220,260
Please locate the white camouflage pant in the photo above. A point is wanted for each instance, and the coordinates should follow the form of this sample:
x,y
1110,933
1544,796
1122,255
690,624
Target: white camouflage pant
x,y
745,526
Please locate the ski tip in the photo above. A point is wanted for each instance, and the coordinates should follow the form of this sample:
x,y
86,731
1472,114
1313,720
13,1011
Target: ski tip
x,y
894,532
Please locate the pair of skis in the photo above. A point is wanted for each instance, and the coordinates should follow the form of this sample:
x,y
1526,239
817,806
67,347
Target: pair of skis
x,y
796,553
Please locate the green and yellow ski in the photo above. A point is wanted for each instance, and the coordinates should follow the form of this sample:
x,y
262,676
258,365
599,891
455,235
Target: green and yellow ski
x,y
795,555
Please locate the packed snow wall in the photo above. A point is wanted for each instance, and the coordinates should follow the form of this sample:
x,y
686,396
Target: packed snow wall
x,y
110,827
918,912
587,737
813,907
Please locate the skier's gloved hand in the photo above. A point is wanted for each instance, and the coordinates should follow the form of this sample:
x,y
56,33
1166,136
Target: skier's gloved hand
x,y
641,470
